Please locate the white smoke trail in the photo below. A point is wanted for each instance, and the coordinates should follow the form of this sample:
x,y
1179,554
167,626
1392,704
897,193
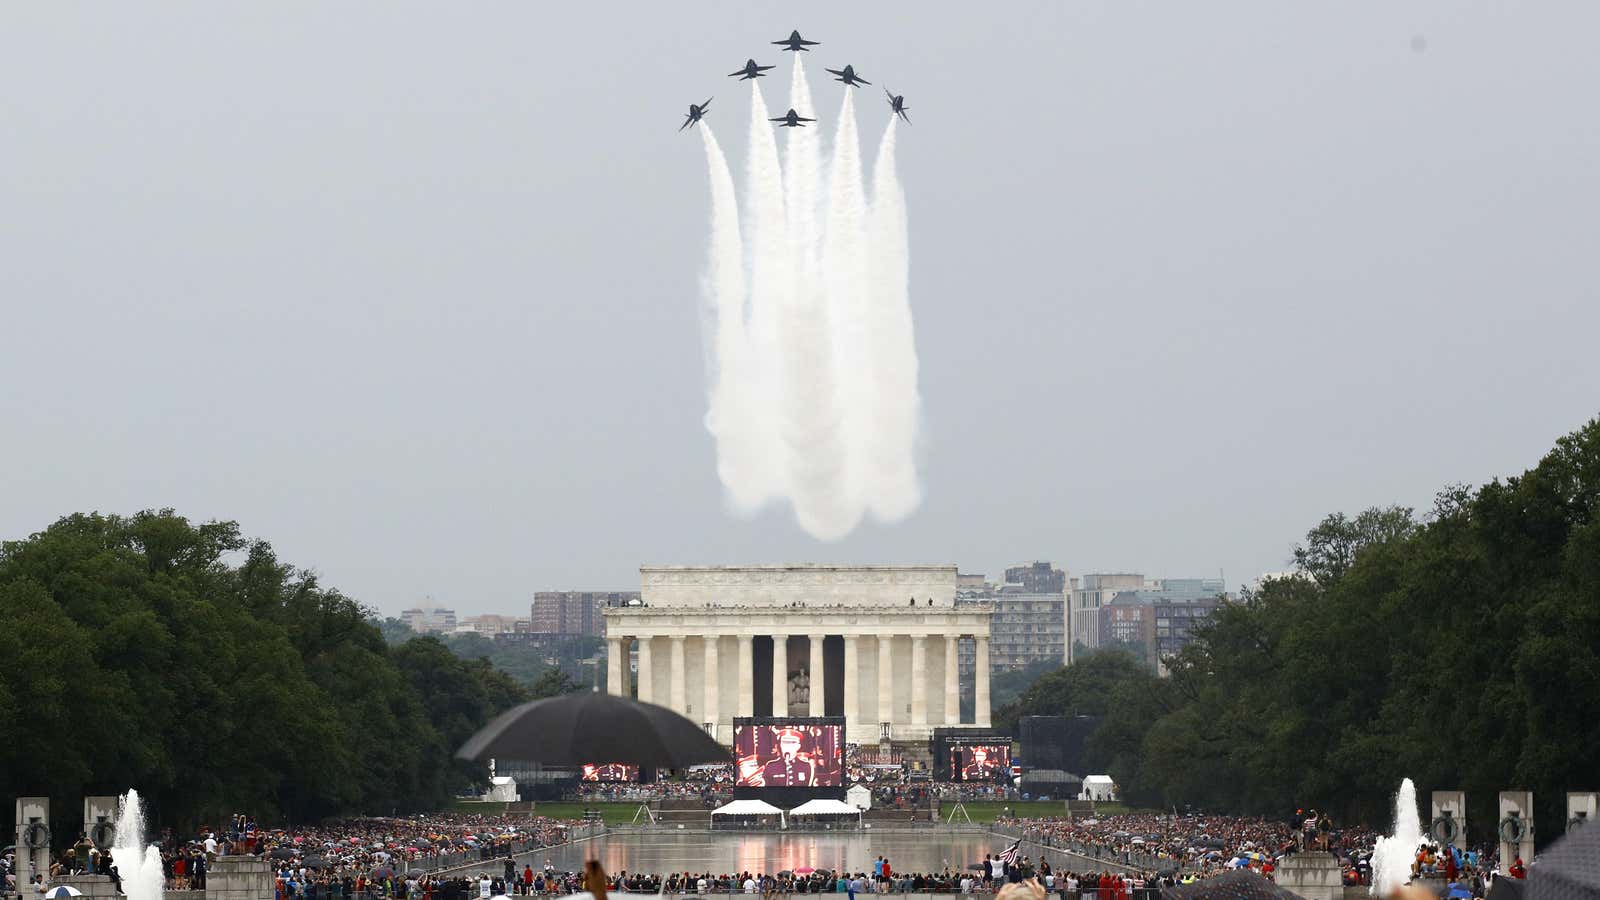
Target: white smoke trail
x,y
815,447
893,489
845,281
814,369
729,419
766,240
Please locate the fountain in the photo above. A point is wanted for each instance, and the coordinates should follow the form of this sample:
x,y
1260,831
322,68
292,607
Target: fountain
x,y
1393,855
138,865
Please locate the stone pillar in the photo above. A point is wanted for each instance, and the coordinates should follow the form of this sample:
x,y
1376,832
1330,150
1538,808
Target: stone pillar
x,y
747,675
1583,809
678,678
952,681
885,679
32,859
780,674
1448,822
1515,828
713,708
980,676
647,690
100,821
852,687
919,679
819,694
616,664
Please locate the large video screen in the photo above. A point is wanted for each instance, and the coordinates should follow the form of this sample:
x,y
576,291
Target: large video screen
x,y
979,762
791,753
609,772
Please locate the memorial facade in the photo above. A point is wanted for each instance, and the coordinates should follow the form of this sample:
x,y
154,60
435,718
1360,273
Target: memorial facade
x,y
877,645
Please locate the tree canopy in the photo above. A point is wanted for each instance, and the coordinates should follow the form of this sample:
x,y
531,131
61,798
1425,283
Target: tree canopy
x,y
188,661
1461,650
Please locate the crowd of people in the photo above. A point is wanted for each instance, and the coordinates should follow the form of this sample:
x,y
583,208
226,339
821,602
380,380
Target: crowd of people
x,y
347,857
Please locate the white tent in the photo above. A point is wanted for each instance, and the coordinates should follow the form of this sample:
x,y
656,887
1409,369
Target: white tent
x,y
747,808
1098,787
859,797
502,789
821,807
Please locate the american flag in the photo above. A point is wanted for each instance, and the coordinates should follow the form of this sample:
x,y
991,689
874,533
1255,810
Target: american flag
x,y
1009,855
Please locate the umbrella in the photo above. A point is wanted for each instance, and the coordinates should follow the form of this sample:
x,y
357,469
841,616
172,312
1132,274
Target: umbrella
x,y
283,853
1458,891
574,729
1506,888
1236,885
1238,862
63,891
382,872
1569,870
316,862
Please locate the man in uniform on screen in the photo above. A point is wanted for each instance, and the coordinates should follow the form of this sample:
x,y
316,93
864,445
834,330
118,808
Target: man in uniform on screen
x,y
981,768
789,769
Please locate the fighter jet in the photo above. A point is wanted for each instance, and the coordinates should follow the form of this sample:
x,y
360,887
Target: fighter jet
x,y
750,70
848,76
695,112
897,102
791,119
796,42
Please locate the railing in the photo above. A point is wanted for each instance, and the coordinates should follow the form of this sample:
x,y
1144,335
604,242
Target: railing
x,y
444,862
1125,860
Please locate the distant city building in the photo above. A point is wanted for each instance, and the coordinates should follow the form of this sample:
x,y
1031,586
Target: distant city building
x,y
489,624
1027,628
575,612
1037,577
972,584
1159,615
429,621
1030,617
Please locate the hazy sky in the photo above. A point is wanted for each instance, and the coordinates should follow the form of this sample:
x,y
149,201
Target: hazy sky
x,y
411,291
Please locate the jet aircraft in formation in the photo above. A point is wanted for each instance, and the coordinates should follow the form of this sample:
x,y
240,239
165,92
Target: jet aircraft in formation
x,y
695,112
848,76
897,102
792,119
795,42
750,70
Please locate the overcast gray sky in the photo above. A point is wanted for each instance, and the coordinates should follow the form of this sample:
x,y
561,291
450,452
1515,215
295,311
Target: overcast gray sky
x,y
411,291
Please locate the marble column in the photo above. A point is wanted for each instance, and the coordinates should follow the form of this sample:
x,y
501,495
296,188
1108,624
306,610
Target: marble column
x,y
712,711
981,682
647,673
852,689
616,664
747,675
885,679
678,678
819,696
919,679
952,681
780,674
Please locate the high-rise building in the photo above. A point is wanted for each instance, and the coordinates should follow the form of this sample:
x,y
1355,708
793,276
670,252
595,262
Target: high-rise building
x,y
575,612
1158,614
1030,616
429,621
1037,577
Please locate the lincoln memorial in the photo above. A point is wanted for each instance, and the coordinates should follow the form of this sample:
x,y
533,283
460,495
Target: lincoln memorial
x,y
875,644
